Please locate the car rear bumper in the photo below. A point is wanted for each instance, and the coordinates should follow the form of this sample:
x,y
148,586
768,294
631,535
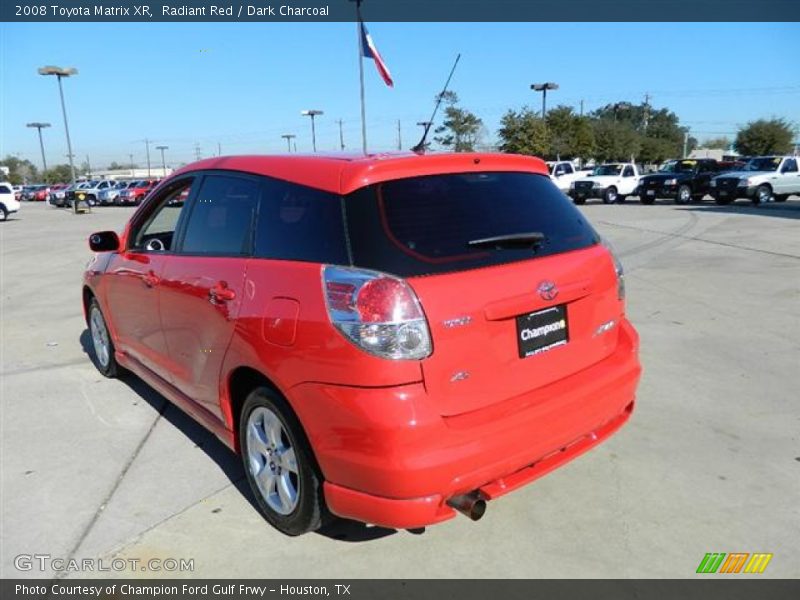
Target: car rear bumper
x,y
388,459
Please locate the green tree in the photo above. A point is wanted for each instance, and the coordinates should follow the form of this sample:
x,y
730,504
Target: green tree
x,y
583,143
523,132
718,143
615,140
20,170
765,136
461,130
58,174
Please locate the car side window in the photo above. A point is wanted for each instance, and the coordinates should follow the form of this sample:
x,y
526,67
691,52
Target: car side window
x,y
628,171
568,170
790,166
222,216
560,170
4,190
296,222
157,233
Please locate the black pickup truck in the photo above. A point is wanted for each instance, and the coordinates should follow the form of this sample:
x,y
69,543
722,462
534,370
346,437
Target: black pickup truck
x,y
683,180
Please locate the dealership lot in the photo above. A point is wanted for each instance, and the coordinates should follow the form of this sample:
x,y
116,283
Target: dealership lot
x,y
709,462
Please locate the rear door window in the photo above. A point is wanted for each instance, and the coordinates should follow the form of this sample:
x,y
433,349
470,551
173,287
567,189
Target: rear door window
x,y
222,216
296,222
423,225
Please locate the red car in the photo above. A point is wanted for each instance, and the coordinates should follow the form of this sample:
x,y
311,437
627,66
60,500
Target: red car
x,y
387,338
136,192
41,193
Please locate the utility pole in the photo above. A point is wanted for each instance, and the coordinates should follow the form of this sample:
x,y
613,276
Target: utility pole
x,y
219,149
581,107
289,137
147,146
341,134
39,127
646,110
88,167
685,142
197,151
132,169
163,162
399,136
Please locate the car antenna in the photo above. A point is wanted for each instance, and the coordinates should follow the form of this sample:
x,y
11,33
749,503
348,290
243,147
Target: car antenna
x,y
420,147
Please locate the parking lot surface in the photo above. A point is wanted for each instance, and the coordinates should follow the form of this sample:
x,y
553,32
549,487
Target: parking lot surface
x,y
710,461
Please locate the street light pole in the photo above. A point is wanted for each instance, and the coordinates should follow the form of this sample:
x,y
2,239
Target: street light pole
x,y
288,137
147,146
39,127
312,113
543,87
59,73
163,162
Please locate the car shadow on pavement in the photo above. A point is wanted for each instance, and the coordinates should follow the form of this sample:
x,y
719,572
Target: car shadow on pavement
x,y
784,210
340,530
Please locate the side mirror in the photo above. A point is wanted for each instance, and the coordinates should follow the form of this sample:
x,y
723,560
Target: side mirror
x,y
104,241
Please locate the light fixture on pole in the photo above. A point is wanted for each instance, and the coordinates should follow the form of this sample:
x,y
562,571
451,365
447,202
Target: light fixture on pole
x,y
39,127
61,73
163,162
543,87
288,137
312,113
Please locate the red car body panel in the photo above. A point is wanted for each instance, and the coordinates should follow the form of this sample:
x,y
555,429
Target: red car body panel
x,y
394,438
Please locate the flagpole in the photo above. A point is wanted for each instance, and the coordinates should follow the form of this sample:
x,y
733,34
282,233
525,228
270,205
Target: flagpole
x,y
361,78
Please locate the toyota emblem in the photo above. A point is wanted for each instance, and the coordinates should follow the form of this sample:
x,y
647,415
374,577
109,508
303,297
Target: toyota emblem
x,y
547,290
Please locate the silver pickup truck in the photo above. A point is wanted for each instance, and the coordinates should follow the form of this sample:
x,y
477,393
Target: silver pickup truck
x,y
762,179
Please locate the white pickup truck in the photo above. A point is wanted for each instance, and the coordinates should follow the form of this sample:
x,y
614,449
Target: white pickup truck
x,y
762,179
563,173
611,182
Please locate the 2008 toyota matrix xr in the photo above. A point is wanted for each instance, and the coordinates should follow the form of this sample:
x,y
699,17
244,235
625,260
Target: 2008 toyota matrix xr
x,y
387,338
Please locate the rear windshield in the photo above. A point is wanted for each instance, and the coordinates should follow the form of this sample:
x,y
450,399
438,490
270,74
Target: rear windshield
x,y
422,225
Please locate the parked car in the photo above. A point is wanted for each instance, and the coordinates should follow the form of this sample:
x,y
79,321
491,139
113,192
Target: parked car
x,y
56,189
682,180
611,182
58,194
136,191
110,195
389,339
8,202
32,192
17,189
90,193
762,179
70,194
563,173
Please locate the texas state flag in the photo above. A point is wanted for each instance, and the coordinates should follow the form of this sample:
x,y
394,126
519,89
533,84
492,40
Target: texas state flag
x,y
368,50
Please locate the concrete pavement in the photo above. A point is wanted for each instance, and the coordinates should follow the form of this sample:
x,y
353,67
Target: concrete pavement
x,y
709,462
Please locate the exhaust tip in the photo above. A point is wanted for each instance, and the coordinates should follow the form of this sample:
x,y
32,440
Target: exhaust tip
x,y
471,504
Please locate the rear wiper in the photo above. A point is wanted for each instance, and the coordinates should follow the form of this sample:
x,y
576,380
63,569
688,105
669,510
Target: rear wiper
x,y
530,239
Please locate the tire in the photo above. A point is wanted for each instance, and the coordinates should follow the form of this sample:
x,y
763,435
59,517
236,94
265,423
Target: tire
x,y
102,344
781,197
3,213
621,199
580,200
683,195
91,201
268,428
763,194
610,195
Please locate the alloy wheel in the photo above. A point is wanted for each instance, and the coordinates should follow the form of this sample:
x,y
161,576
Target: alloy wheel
x,y
272,461
100,339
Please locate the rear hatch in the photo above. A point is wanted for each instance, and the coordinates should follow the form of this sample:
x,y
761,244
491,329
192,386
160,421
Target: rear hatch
x,y
505,317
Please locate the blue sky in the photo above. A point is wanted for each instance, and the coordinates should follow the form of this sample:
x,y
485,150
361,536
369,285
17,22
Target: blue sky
x,y
243,85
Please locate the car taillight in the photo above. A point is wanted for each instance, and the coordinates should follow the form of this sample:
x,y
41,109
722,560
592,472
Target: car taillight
x,y
617,268
377,312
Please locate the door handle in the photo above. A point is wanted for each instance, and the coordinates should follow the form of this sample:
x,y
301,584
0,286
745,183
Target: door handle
x,y
151,279
221,293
